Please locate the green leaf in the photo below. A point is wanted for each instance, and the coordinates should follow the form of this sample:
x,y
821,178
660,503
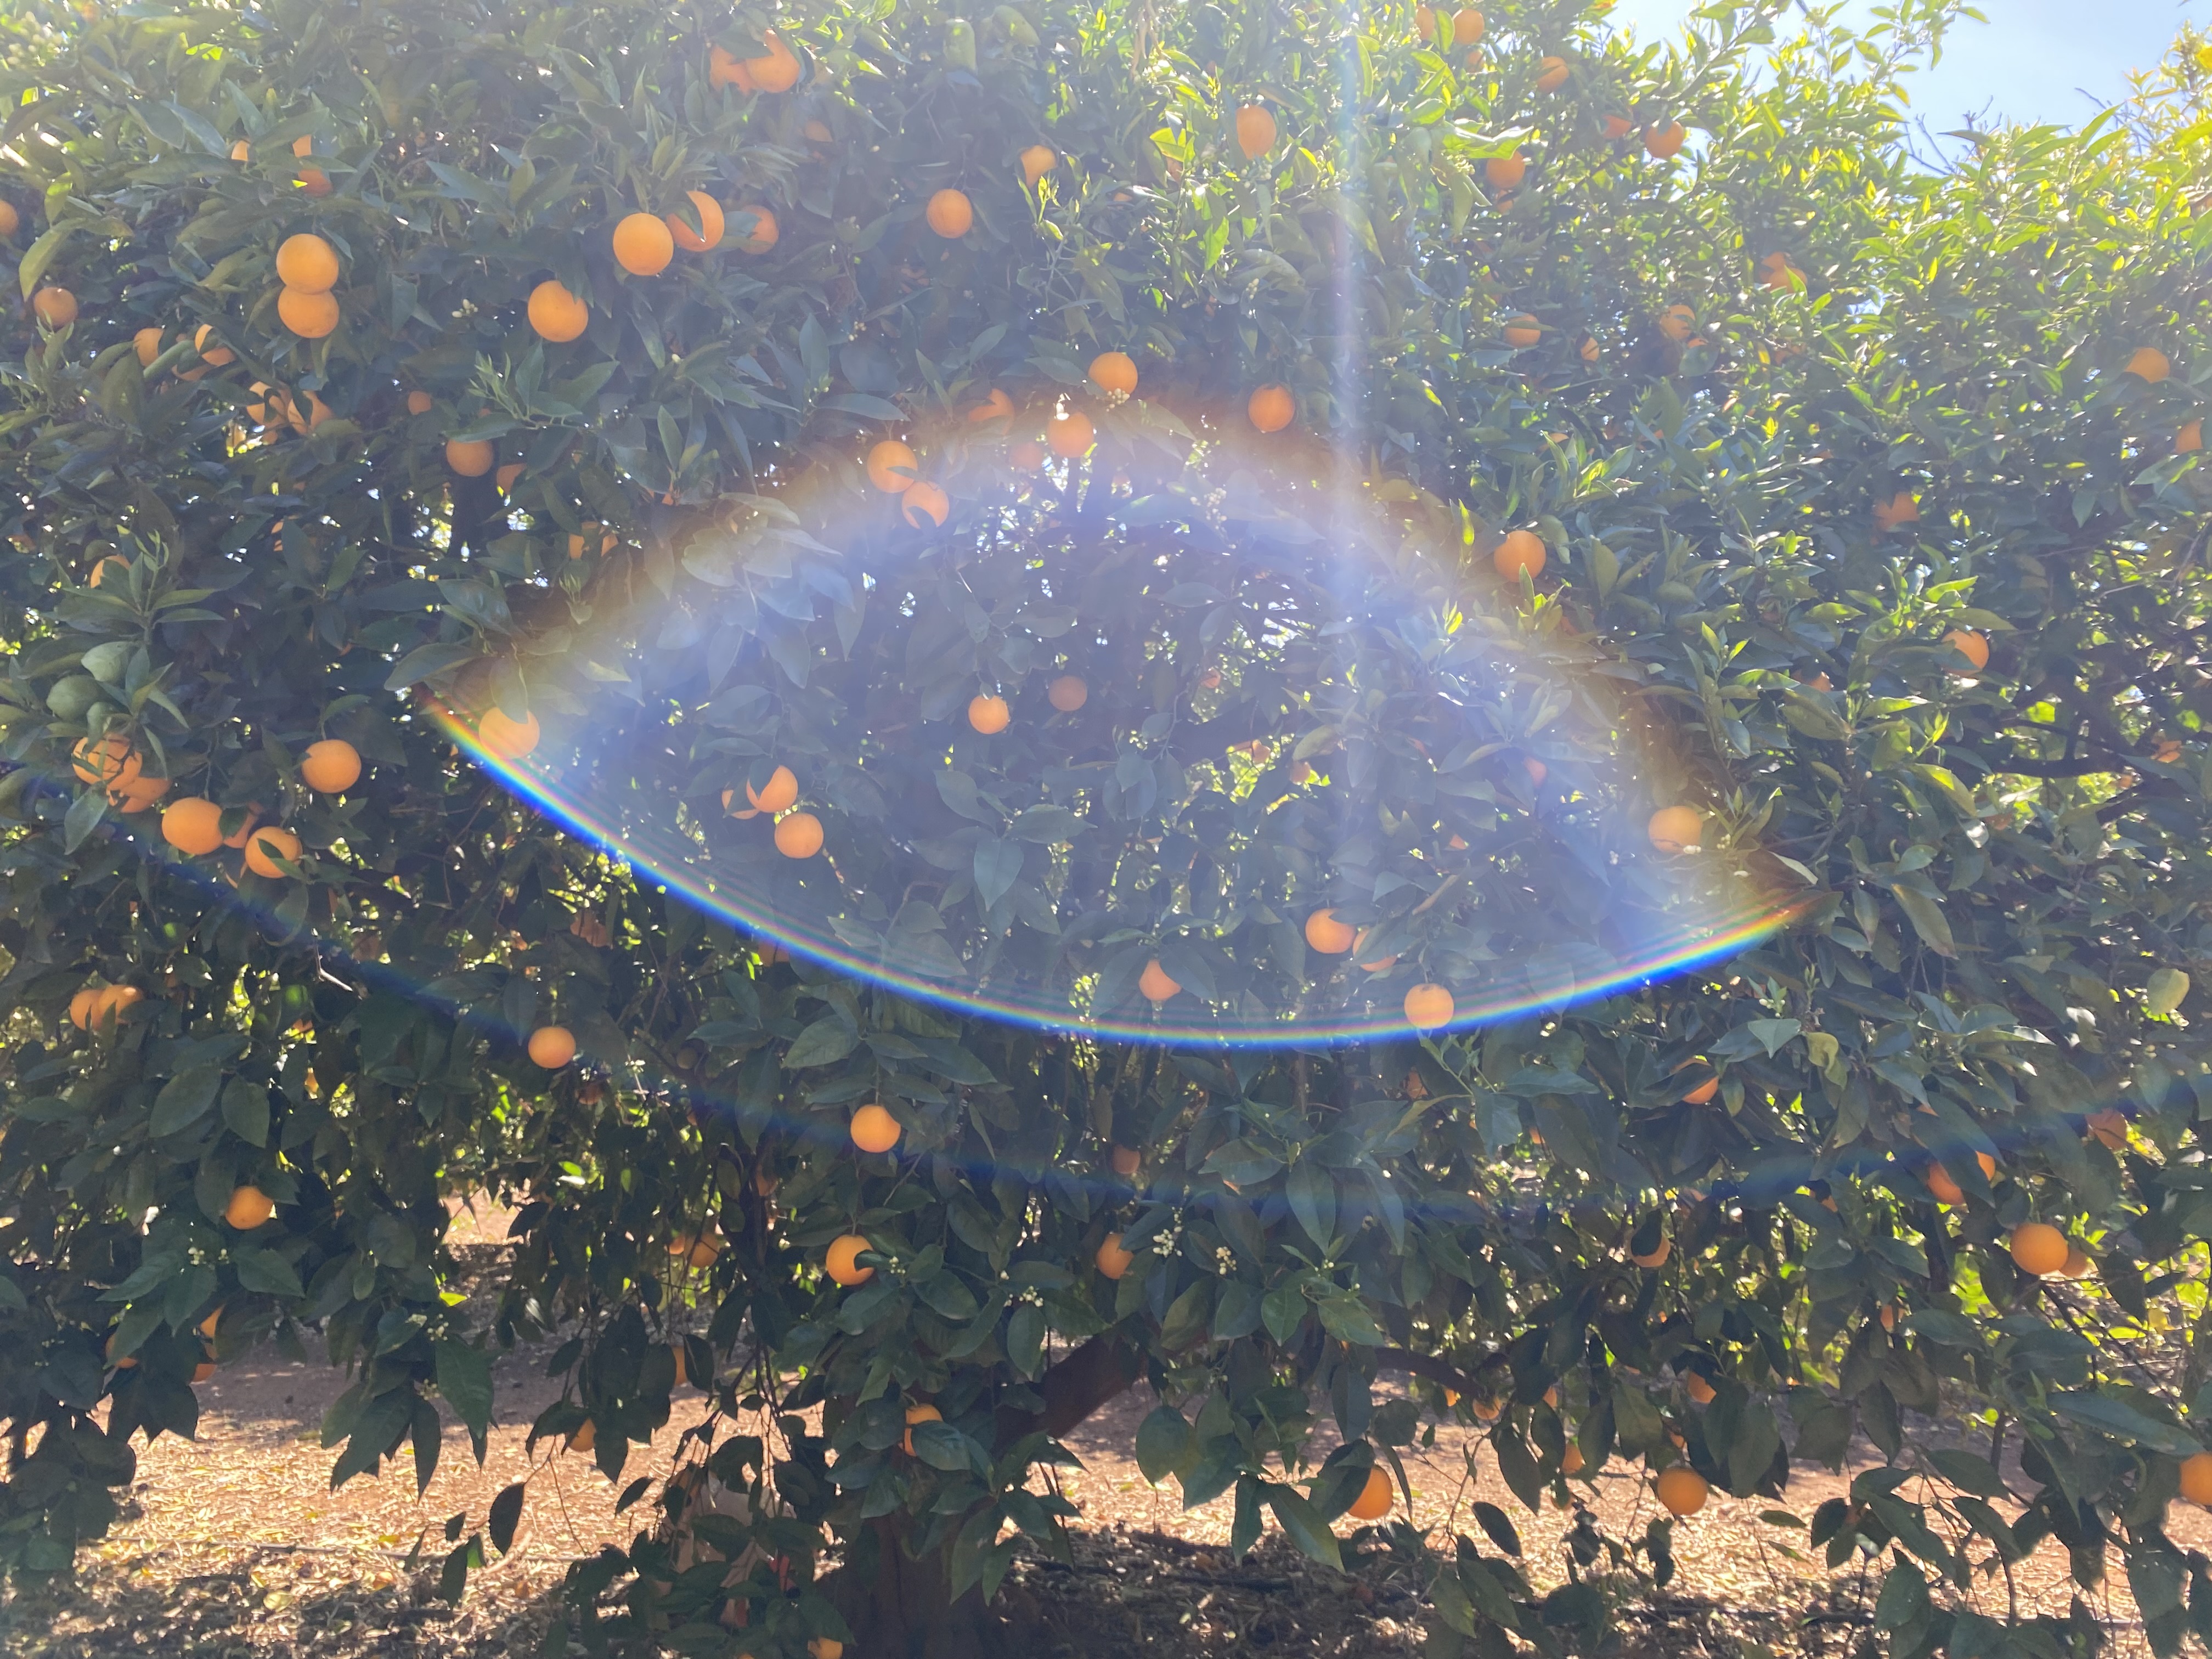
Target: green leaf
x,y
185,1099
465,1380
268,1273
245,1110
2124,1423
1312,1192
84,815
1303,1522
825,1042
1165,1444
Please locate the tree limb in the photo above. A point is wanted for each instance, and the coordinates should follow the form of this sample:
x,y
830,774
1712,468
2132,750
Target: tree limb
x,y
1077,1385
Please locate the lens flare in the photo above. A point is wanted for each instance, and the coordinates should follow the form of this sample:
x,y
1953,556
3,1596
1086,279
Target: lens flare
x,y
1092,751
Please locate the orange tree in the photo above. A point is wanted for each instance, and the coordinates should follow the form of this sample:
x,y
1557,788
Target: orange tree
x,y
1377,716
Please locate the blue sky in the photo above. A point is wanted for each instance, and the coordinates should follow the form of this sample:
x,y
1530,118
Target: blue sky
x,y
2035,60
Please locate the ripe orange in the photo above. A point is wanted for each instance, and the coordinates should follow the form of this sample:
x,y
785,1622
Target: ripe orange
x,y
1550,74
1505,173
1570,1462
236,838
1071,434
1946,1190
308,263
842,1261
1666,142
2148,363
723,69
552,1046
2110,1127
1694,1384
249,1206
712,224
2077,1262
470,457
1617,126
2038,1248
507,738
1326,934
1971,645
555,313
332,765
988,713
192,825
2196,1477
997,406
141,793
1155,984
1703,1093
1676,829
110,761
1777,272
1111,1258
1467,26
420,402
1271,408
799,835
1067,694
1255,131
892,467
506,476
763,233
264,847
1522,550
950,214
1902,507
1588,350
1657,1258
586,1436
2189,438
147,342
1126,1160
777,70
310,316
1429,1007
215,356
643,244
1425,23
1375,1499
874,1129
56,306
1536,770
1676,322
924,500
10,220
1523,331
919,1413
113,563
780,790
1682,1491
1114,371
1037,160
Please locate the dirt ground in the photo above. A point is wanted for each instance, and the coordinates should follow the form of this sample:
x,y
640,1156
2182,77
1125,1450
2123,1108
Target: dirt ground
x,y
234,1545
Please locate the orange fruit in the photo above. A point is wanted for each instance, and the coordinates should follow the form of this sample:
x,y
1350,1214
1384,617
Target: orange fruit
x,y
236,838
470,457
1271,408
1067,694
308,263
332,765
192,825
249,1206
712,223
1429,1007
147,342
1071,434
950,214
1126,1160
1536,770
264,847
56,306
643,244
892,467
1570,1462
2196,1477
1676,322
924,500
997,406
109,761
1682,1491
780,790
1111,1258
1666,142
557,314
1505,173
917,1414
1155,985
506,476
2038,1248
310,316
215,356
1697,1388
314,181
842,1261
775,70
799,835
1588,350
2110,1127
2189,439
676,1350
1903,507
1776,271
1676,829
1425,23
1522,550
2077,1262
141,793
1037,160
1326,934
1704,1092
1946,1190
1523,331
10,220
874,1129
1375,1499
723,69
764,231
1255,131
586,1436
1550,74
119,566
1973,646
420,402
1619,126
988,713
551,1047
1657,1258
1114,371
83,1005
506,737
1467,26
2147,364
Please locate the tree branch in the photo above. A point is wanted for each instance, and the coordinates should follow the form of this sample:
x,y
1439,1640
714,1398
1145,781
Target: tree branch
x,y
1076,1386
